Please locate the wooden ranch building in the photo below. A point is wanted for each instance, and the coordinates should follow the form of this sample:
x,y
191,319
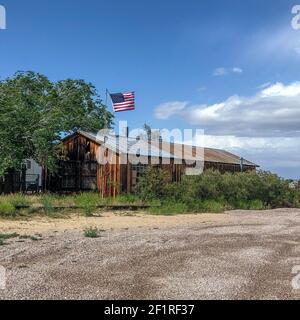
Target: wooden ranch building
x,y
99,162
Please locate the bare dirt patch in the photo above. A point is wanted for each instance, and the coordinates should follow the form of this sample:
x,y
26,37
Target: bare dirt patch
x,y
116,221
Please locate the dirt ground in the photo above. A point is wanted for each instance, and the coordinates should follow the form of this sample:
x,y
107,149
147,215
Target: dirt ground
x,y
237,255
108,220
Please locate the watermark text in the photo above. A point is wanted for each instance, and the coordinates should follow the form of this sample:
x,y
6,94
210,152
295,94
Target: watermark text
x,y
2,18
2,278
296,279
296,18
139,147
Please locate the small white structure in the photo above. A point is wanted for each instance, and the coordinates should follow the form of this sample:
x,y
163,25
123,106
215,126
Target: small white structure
x,y
33,172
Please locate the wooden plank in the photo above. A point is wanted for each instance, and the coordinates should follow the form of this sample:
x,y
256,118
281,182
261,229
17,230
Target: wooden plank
x,y
102,206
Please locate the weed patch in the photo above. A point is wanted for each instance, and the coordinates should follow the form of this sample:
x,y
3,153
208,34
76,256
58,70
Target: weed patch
x,y
92,232
7,209
8,236
88,202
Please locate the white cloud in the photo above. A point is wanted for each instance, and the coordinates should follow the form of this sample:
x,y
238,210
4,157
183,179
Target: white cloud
x,y
220,72
273,111
264,85
166,110
279,89
281,43
263,128
224,71
237,70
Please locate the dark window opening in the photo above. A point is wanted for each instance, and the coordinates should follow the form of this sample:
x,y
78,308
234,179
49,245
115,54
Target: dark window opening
x,y
28,165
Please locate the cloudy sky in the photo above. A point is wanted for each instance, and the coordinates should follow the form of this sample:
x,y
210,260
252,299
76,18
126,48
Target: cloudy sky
x,y
229,67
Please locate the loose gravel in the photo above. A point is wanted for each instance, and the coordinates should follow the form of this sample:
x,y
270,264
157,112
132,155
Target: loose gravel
x,y
249,255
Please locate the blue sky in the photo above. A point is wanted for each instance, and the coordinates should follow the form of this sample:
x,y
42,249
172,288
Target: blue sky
x,y
229,67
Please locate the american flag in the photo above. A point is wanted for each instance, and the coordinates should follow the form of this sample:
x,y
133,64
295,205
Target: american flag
x,y
123,101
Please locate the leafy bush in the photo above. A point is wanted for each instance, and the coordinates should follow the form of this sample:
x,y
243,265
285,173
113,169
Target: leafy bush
x,y
7,209
213,191
169,208
9,204
256,205
126,199
212,206
153,184
91,232
249,205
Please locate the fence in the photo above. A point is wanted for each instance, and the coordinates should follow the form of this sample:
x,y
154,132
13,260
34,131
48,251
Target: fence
x,y
11,182
74,176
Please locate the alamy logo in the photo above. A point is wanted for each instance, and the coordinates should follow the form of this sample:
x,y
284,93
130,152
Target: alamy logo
x,y
296,279
2,278
296,18
2,18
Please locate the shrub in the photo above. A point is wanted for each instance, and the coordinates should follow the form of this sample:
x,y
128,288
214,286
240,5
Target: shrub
x,y
9,204
256,205
19,200
249,205
296,198
47,202
169,208
88,202
213,191
212,206
127,199
272,190
91,232
153,184
5,236
7,209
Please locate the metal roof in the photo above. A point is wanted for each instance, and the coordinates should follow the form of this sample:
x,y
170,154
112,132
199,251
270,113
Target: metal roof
x,y
188,152
122,145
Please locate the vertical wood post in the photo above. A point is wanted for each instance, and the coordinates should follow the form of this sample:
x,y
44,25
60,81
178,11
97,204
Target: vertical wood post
x,y
129,180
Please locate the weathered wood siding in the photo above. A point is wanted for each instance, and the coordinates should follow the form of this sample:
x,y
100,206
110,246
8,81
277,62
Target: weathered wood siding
x,y
81,171
83,152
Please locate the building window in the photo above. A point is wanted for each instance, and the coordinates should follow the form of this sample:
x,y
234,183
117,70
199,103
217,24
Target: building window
x,y
28,164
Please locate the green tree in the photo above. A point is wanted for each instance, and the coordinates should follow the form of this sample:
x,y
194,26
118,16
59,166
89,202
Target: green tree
x,y
36,113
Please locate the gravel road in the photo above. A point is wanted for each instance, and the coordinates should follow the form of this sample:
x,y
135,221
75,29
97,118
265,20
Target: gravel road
x,y
249,255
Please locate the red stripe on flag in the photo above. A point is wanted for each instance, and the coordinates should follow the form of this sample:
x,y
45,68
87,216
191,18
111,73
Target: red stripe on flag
x,y
122,108
124,104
